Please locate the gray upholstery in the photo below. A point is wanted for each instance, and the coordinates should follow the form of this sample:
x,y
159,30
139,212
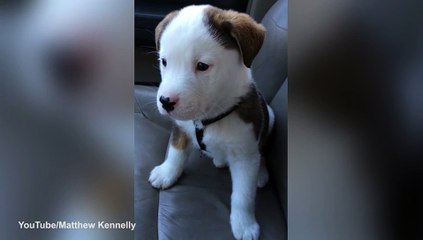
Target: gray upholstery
x,y
276,157
270,67
198,205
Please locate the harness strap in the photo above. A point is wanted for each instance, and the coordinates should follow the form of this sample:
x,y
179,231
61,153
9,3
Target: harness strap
x,y
200,125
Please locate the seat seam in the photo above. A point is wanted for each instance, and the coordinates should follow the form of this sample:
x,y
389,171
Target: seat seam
x,y
139,106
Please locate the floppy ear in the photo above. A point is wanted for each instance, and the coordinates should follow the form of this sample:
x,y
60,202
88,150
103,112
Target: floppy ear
x,y
162,25
228,25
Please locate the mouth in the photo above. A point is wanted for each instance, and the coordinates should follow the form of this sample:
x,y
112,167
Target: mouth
x,y
179,112
181,118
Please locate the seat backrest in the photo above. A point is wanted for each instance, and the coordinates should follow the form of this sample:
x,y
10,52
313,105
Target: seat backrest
x,y
270,66
270,71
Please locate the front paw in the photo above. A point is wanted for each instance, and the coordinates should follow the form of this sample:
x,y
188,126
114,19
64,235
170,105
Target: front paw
x,y
163,176
244,227
219,163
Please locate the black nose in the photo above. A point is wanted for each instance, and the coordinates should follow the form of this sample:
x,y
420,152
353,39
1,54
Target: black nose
x,y
167,104
68,66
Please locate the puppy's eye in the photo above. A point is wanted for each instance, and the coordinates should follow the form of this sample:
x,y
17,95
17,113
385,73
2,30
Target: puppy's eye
x,y
164,62
202,66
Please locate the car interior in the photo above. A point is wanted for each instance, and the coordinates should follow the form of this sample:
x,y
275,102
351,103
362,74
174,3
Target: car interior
x,y
86,120
198,205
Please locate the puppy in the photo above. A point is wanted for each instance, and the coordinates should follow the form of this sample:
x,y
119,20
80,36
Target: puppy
x,y
205,55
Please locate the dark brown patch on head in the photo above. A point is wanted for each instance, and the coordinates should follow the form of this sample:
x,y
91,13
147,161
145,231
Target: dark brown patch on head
x,y
162,25
179,138
253,109
236,30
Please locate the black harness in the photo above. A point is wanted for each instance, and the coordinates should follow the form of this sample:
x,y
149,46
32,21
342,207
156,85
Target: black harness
x,y
200,125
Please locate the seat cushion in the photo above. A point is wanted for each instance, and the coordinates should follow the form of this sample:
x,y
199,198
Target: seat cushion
x,y
149,138
198,205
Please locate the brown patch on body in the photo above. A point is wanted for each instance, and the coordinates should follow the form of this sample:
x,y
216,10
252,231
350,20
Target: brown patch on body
x,y
236,30
179,138
253,109
162,25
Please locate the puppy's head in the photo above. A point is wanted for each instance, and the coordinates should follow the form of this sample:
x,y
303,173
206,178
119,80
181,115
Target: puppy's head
x,y
204,54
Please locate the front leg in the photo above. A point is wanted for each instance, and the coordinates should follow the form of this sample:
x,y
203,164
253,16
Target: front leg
x,y
166,174
244,172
